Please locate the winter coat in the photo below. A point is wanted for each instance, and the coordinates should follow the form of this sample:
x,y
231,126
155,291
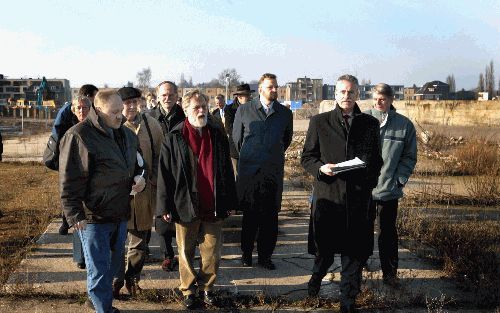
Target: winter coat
x,y
399,152
95,174
341,219
144,203
261,142
169,121
177,185
229,114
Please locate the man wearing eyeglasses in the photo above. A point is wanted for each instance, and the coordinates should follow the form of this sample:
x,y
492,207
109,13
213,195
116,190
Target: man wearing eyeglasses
x,y
169,113
150,136
341,218
69,115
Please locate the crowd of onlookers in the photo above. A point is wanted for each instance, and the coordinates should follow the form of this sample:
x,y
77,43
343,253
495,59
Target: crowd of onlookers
x,y
128,162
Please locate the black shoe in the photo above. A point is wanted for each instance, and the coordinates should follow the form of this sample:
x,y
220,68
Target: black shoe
x,y
392,281
267,264
117,286
347,309
114,310
313,286
63,230
209,297
81,266
189,301
246,260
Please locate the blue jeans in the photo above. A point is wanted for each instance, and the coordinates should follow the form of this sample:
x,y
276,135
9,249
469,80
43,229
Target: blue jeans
x,y
103,246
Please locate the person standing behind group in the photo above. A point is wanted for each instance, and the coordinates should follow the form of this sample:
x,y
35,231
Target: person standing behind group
x,y
169,113
99,167
242,95
262,131
196,190
218,112
150,137
341,219
399,151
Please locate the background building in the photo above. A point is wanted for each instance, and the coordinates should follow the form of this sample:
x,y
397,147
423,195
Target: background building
x,y
15,89
434,90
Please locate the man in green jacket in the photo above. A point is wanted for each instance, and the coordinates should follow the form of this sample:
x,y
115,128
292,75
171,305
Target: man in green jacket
x,y
399,151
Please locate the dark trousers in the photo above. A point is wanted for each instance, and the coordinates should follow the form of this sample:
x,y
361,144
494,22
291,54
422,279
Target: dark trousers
x,y
350,275
166,231
266,224
388,236
78,255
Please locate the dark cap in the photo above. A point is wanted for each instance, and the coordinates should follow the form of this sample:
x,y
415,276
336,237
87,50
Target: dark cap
x,y
243,90
129,93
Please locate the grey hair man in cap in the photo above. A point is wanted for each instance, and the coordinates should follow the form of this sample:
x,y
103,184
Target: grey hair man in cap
x,y
150,137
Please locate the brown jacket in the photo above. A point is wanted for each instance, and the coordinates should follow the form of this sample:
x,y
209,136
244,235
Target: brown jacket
x,y
143,204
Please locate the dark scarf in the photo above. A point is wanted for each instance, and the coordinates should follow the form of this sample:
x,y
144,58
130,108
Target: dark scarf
x,y
202,149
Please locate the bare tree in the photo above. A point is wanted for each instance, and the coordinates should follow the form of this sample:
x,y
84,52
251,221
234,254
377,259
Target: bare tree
x,y
480,84
144,79
489,80
234,77
450,80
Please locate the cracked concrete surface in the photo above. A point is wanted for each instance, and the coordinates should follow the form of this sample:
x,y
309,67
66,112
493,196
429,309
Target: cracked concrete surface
x,y
49,268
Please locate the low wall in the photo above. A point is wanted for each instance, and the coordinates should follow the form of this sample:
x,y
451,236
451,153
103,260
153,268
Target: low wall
x,y
457,113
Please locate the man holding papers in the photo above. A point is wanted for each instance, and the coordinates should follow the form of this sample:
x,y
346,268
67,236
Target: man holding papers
x,y
341,219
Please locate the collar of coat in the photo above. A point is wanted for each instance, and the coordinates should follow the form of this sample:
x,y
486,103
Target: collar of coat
x,y
275,105
337,114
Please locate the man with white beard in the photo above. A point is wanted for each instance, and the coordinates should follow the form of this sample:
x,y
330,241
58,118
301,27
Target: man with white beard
x,y
196,190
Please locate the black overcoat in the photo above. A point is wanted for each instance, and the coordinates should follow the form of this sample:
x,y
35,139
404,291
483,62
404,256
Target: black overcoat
x,y
341,219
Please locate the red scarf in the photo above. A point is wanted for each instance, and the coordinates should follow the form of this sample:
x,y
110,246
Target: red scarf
x,y
202,149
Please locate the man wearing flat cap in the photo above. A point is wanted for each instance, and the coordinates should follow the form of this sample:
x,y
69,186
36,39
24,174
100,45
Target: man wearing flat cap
x,y
242,95
150,137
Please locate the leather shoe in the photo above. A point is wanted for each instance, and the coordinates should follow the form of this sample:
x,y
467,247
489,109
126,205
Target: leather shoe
x,y
267,264
313,286
189,301
208,297
246,260
347,309
131,287
392,281
116,289
168,265
81,266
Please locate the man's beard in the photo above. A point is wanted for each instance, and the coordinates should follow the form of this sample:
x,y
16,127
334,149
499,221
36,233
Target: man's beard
x,y
198,122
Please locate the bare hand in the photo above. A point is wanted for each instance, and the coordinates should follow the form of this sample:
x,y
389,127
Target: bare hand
x,y
140,184
81,225
167,218
327,169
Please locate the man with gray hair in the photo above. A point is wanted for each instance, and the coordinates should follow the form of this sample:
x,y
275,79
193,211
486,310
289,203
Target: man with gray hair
x,y
99,166
399,151
169,113
196,190
341,219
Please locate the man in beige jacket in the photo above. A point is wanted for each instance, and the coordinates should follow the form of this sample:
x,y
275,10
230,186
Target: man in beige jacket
x,y
150,136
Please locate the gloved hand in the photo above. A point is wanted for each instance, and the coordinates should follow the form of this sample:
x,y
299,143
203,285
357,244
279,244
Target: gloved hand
x,y
140,184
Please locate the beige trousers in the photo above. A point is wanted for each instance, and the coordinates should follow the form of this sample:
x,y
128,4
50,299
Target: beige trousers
x,y
208,235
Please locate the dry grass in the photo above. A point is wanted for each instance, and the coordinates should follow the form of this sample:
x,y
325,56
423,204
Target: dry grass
x,y
29,199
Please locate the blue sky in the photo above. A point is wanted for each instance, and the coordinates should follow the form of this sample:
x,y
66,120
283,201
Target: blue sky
x,y
109,41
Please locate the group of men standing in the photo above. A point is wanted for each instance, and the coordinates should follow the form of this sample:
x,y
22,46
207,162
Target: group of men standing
x,y
187,170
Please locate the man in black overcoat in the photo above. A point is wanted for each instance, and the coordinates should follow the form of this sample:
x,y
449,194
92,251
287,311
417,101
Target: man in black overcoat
x,y
341,219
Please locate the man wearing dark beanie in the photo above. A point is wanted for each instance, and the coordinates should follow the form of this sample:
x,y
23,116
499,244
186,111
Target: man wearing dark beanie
x,y
150,137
